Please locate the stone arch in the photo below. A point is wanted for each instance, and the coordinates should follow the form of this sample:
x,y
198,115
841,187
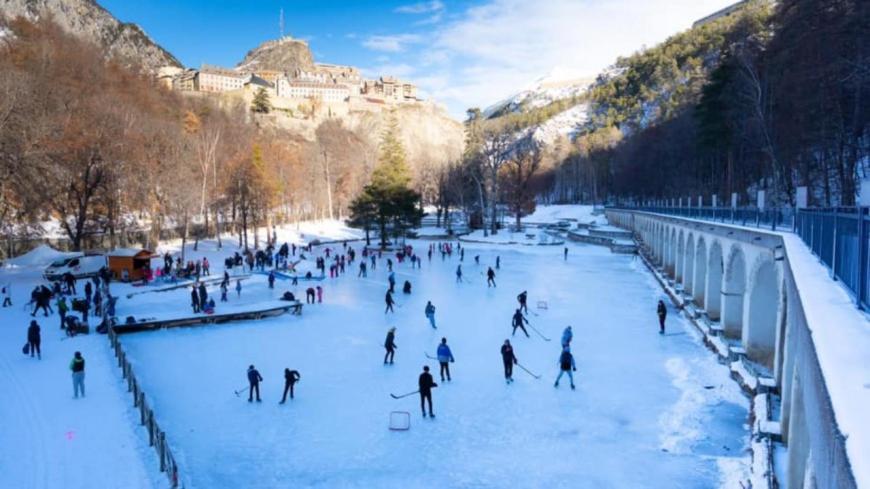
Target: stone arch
x,y
715,271
680,258
733,292
672,251
762,311
689,265
699,282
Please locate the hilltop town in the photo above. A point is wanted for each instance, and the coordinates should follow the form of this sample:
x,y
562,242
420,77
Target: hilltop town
x,y
296,85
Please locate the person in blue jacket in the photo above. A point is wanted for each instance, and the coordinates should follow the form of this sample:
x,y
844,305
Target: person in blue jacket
x,y
430,314
566,365
567,336
445,357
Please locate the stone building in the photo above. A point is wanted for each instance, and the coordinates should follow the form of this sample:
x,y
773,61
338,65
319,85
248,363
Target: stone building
x,y
294,88
215,79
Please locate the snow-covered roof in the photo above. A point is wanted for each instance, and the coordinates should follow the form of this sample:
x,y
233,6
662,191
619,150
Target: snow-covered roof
x,y
127,252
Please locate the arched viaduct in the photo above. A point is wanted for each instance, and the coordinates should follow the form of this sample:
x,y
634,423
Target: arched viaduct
x,y
740,280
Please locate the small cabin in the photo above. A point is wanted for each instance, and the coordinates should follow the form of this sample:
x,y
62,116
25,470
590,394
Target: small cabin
x,y
130,264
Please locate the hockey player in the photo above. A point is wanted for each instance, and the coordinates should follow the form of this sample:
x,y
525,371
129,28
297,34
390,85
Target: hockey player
x,y
390,346
566,365
445,358
522,300
517,322
426,383
290,379
254,379
458,273
490,277
509,360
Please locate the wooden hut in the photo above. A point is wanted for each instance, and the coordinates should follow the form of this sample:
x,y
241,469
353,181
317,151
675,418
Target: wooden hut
x,y
130,264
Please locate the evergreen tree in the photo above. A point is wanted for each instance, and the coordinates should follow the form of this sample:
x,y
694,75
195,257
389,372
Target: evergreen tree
x,y
388,199
261,103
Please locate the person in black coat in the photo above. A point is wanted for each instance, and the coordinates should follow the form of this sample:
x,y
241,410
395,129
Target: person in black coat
x,y
518,321
490,277
254,379
522,298
34,339
390,346
426,383
389,300
194,300
662,312
290,379
509,360
89,291
203,294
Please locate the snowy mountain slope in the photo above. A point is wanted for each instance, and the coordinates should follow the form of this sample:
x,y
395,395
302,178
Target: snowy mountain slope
x,y
558,84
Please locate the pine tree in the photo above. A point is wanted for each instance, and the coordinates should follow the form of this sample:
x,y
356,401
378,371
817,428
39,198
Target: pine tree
x,y
261,103
388,199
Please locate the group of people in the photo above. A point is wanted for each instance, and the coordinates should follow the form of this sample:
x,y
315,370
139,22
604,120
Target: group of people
x,y
291,377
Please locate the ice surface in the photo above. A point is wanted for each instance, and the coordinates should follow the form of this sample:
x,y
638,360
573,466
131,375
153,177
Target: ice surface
x,y
642,414
616,430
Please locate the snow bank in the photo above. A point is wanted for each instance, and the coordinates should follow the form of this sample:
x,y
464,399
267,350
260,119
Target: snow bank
x,y
41,256
548,214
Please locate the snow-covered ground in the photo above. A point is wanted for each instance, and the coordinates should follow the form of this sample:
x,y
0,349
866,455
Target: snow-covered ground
x,y
649,410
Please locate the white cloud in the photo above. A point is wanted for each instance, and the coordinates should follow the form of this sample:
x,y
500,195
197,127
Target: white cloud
x,y
392,44
493,50
421,8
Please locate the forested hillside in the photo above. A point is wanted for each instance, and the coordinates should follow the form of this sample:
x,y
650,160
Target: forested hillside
x,y
773,97
97,154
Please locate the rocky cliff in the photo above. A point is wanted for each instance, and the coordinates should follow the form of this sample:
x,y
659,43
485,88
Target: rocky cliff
x,y
285,55
124,42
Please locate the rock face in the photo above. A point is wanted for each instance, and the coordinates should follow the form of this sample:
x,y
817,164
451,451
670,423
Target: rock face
x,y
123,42
285,55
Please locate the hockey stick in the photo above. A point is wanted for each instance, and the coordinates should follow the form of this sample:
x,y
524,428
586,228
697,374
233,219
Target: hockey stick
x,y
528,371
240,390
404,395
539,333
430,357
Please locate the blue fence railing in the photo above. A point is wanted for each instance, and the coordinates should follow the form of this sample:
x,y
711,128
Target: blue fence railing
x,y
839,236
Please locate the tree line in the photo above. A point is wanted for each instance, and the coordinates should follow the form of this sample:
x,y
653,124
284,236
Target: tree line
x,y
101,150
770,98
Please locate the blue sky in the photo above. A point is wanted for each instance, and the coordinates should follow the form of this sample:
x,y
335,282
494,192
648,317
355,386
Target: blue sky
x,y
460,53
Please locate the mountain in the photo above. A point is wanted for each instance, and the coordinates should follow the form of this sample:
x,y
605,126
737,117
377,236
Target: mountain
x,y
284,55
560,83
123,42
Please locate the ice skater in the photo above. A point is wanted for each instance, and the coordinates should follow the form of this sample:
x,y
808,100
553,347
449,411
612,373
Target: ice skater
x,y
34,339
497,262
567,336
522,298
508,359
430,314
254,379
458,273
565,253
290,379
490,277
426,383
392,280
7,294
445,358
566,365
389,300
517,322
239,288
319,294
406,287
390,346
272,279
309,295
662,312
77,366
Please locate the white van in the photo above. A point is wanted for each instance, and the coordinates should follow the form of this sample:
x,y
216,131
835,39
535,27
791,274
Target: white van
x,y
80,266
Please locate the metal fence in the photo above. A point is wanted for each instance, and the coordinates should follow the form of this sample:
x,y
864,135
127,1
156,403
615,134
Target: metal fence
x,y
156,436
839,236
